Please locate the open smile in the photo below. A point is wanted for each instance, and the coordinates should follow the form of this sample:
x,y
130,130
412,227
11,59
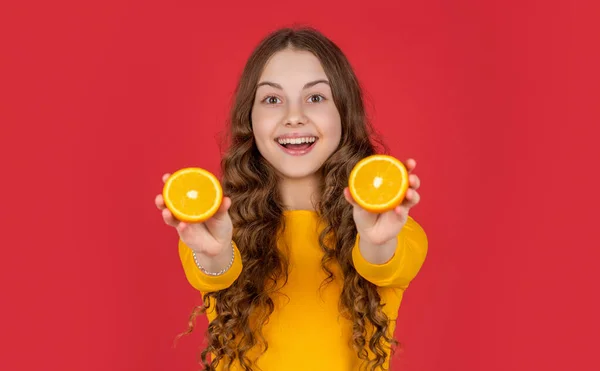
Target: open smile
x,y
297,146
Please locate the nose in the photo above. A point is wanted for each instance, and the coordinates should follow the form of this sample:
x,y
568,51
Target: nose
x,y
295,116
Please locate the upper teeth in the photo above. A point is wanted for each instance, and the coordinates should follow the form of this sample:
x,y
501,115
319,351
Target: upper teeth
x,y
296,140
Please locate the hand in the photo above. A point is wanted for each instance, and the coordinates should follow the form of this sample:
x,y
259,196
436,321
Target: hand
x,y
211,237
377,229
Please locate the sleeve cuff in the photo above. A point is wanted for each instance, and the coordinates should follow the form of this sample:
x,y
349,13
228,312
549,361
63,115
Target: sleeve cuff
x,y
379,274
403,267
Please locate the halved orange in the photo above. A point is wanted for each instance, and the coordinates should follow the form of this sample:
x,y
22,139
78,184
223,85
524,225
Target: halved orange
x,y
378,183
192,194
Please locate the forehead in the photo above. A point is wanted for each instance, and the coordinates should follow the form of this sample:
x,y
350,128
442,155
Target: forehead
x,y
291,63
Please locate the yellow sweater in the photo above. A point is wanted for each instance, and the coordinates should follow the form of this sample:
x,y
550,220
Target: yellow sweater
x,y
306,332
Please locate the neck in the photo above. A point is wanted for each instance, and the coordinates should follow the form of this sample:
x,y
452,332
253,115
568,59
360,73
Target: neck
x,y
299,194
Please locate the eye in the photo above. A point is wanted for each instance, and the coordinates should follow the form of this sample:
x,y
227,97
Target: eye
x,y
271,100
316,98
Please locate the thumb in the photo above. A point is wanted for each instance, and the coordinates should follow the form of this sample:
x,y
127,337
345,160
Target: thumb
x,y
362,217
348,197
221,213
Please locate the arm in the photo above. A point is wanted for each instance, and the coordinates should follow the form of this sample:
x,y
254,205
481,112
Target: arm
x,y
409,255
203,282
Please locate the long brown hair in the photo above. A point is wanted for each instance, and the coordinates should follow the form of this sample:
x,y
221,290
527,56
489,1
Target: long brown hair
x,y
257,215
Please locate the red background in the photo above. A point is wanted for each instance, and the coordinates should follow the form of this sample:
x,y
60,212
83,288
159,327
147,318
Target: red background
x,y
494,100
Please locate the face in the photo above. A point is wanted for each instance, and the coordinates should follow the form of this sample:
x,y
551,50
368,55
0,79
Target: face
x,y
295,122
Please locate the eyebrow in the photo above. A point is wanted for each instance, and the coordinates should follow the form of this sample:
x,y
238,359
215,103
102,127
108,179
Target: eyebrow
x,y
306,86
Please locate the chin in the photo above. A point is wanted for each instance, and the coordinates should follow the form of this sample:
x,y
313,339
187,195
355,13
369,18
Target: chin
x,y
297,174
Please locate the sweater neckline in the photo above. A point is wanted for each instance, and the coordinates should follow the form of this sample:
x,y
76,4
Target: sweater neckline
x,y
300,211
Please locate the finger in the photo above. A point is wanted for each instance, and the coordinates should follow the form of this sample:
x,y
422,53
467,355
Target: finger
x,y
181,226
414,181
165,177
169,218
410,164
412,198
401,211
159,202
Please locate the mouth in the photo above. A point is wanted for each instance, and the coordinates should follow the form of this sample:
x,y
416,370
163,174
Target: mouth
x,y
297,146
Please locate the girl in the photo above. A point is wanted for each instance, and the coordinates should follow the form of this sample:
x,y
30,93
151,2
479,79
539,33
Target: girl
x,y
294,274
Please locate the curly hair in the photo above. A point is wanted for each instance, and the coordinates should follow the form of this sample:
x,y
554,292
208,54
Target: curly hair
x,y
257,215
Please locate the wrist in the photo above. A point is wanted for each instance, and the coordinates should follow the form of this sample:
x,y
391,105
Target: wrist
x,y
378,241
377,252
215,265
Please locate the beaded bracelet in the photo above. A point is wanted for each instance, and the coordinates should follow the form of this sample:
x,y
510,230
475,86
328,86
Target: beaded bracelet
x,y
222,270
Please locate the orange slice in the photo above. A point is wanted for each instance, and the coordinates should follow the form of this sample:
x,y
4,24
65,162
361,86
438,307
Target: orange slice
x,y
378,183
192,194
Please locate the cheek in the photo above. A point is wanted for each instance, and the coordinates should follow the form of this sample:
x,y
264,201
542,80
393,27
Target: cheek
x,y
331,125
262,125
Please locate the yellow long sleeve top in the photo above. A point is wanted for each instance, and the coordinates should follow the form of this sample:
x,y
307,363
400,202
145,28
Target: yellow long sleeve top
x,y
306,331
